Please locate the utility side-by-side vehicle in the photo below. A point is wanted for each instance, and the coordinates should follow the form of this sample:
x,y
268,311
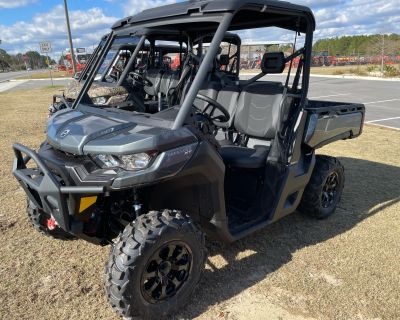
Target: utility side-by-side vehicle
x,y
196,152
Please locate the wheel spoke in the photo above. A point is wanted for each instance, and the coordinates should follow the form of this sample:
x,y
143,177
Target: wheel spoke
x,y
171,249
151,274
180,255
179,267
163,294
153,287
175,282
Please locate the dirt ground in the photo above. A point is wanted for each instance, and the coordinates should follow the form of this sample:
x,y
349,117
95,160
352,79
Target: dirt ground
x,y
345,267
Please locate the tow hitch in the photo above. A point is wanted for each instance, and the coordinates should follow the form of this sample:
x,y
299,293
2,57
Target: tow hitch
x,y
51,223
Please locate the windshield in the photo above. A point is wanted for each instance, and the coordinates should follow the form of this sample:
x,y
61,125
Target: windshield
x,y
116,57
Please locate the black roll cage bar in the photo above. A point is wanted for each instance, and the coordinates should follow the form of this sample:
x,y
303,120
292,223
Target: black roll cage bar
x,y
224,23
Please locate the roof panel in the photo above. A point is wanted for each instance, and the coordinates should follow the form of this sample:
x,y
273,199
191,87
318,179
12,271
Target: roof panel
x,y
206,6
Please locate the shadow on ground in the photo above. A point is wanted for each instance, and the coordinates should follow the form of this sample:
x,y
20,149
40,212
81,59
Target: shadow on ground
x,y
370,187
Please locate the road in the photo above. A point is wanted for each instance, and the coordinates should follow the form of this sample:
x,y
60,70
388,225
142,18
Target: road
x,y
6,76
18,85
381,98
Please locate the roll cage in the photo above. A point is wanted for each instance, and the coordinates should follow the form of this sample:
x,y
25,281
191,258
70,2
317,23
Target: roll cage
x,y
185,22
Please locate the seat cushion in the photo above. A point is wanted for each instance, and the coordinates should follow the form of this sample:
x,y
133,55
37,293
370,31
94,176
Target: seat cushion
x,y
247,158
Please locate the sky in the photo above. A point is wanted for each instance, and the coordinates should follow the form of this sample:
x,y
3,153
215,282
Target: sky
x,y
25,23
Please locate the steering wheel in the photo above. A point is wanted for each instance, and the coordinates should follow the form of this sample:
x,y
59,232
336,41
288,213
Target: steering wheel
x,y
141,78
215,105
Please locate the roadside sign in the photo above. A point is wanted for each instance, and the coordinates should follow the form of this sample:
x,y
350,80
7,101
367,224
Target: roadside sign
x,y
80,50
45,47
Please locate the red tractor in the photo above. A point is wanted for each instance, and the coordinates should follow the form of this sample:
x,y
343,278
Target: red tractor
x,y
80,59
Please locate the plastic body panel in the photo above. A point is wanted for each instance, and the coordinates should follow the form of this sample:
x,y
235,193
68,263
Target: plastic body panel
x,y
331,121
199,190
100,131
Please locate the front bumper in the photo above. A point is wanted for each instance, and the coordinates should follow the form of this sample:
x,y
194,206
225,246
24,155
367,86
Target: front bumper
x,y
57,183
45,189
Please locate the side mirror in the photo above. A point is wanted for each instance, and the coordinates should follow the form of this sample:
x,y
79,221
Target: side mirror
x,y
273,62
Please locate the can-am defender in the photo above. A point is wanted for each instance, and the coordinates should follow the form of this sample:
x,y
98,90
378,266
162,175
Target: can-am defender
x,y
153,185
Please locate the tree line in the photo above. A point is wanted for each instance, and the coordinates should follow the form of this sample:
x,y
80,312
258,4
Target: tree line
x,y
360,45
19,61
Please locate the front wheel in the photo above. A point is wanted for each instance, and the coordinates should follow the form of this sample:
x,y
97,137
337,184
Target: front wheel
x,y
155,265
324,189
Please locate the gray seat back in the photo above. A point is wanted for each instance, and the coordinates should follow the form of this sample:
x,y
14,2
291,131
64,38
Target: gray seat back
x,y
165,83
154,75
228,98
174,80
258,110
209,89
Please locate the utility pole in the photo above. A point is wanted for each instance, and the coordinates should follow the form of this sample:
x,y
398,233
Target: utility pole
x,y
69,36
383,52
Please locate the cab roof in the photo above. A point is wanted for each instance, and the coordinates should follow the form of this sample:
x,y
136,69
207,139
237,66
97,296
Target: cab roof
x,y
287,11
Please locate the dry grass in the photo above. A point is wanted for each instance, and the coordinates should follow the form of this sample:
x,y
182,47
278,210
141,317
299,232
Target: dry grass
x,y
362,70
45,75
346,267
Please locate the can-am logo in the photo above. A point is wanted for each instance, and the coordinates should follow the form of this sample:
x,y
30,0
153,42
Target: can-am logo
x,y
64,133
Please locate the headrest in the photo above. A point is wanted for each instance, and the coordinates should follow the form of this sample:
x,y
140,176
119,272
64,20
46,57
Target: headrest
x,y
224,59
273,62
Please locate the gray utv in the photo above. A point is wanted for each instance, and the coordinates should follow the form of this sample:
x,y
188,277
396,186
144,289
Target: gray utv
x,y
212,155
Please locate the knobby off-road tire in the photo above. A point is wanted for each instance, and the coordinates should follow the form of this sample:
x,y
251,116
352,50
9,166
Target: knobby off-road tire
x,y
325,188
38,219
145,259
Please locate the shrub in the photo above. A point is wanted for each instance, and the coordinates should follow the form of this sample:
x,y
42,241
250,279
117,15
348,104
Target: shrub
x,y
390,71
358,72
338,72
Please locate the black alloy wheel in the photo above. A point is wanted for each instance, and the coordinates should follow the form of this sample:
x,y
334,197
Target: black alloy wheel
x,y
329,191
325,188
166,272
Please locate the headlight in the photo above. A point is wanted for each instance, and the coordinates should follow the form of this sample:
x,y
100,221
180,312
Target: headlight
x,y
100,100
136,161
131,162
108,160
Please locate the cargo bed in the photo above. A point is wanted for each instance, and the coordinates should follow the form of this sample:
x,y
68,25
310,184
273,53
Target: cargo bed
x,y
331,121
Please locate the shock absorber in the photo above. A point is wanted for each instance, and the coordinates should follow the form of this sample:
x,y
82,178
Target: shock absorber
x,y
136,203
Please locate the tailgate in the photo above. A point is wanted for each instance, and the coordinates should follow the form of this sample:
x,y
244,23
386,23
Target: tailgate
x,y
331,121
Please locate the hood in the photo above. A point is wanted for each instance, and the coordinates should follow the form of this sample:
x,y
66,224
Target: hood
x,y
105,132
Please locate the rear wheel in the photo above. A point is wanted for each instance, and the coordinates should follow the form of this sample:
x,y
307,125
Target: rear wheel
x,y
45,224
325,188
155,265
